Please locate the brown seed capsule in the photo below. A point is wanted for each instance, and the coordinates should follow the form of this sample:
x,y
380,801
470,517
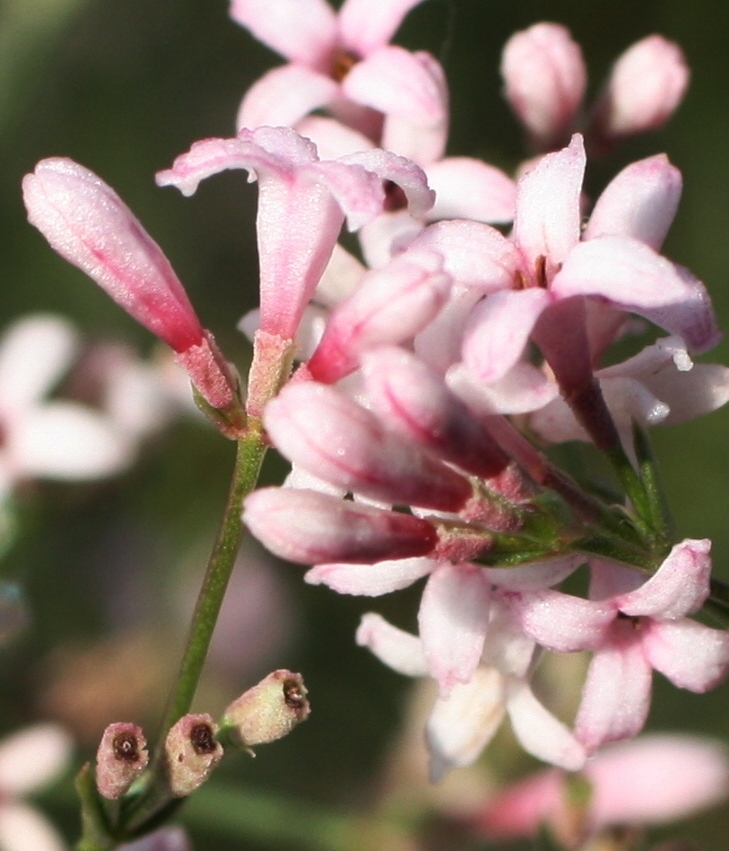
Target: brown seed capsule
x,y
192,753
268,711
121,758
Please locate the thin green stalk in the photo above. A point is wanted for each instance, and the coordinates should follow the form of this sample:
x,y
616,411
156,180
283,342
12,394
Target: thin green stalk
x,y
249,457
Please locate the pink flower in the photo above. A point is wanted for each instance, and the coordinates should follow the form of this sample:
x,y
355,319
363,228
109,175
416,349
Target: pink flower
x,y
654,779
632,629
495,682
89,225
342,61
555,272
302,204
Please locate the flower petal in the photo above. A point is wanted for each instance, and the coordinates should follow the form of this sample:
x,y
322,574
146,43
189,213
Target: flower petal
x,y
641,201
283,96
453,620
64,440
366,25
679,587
461,726
689,654
301,30
33,757
547,222
370,580
499,329
539,732
630,275
616,695
397,649
467,188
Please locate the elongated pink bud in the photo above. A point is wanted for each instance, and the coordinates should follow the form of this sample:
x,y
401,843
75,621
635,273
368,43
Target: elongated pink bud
x,y
544,82
89,225
334,438
645,87
415,402
391,305
314,528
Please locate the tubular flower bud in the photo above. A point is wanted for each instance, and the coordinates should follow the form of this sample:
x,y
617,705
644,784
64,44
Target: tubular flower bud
x,y
192,753
268,711
645,87
121,758
544,81
89,225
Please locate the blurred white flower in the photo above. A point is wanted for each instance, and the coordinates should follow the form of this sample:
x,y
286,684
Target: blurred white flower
x,y
29,760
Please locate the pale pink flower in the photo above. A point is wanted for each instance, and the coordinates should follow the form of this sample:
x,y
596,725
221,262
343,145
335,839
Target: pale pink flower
x,y
554,272
50,439
89,225
544,80
29,760
632,628
654,779
646,85
466,716
342,61
302,205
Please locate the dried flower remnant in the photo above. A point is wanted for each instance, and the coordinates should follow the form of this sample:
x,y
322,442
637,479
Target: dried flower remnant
x,y
268,711
122,756
192,753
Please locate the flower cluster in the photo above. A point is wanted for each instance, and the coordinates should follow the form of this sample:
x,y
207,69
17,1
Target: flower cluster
x,y
478,321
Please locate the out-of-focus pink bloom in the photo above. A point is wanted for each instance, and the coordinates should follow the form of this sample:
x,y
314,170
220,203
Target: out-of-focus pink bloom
x,y
646,85
654,779
30,760
50,439
632,628
166,839
342,61
467,714
544,78
89,225
302,204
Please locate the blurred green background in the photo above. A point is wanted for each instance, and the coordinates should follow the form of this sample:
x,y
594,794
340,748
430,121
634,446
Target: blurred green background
x,y
123,86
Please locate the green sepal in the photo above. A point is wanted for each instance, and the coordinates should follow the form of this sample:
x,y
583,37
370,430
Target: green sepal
x,y
96,832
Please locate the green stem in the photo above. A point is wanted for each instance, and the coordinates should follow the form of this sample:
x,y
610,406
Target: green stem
x,y
249,457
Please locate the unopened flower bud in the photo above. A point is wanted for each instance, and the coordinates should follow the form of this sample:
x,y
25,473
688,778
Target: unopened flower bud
x,y
192,753
268,711
121,758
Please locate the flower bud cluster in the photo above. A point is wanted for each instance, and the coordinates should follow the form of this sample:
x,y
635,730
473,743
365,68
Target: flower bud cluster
x,y
192,747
